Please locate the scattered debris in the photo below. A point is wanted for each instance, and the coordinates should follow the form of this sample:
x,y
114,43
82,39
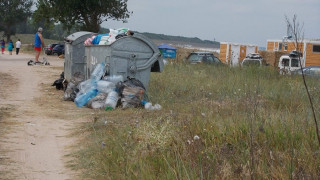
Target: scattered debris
x,y
106,92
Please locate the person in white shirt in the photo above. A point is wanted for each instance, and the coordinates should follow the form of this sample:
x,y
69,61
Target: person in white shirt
x,y
18,45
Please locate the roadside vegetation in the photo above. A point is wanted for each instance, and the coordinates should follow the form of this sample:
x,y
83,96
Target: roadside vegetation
x,y
216,122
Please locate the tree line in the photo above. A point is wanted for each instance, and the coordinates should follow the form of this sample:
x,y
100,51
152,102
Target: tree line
x,y
58,17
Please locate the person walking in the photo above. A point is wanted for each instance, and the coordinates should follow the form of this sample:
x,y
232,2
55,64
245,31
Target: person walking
x,y
38,44
3,45
18,45
10,46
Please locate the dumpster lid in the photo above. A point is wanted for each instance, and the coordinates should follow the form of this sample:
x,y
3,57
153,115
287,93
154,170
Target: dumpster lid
x,y
76,35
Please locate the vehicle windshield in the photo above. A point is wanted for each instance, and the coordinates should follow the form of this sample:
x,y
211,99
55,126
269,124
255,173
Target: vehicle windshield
x,y
251,63
211,60
295,63
285,62
194,57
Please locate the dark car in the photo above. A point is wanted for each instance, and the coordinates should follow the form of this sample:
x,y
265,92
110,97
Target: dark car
x,y
312,71
203,57
48,49
58,49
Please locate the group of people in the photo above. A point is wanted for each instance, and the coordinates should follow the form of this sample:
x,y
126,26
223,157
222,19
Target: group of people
x,y
38,45
10,46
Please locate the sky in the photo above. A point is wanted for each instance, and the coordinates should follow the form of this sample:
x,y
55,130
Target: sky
x,y
237,21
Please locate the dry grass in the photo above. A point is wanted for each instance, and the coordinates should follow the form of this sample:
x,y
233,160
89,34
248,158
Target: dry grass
x,y
251,123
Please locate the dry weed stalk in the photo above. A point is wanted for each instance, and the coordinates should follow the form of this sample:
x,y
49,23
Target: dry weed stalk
x,y
298,38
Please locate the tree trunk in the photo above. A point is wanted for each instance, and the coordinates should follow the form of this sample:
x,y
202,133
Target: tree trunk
x,y
8,37
91,24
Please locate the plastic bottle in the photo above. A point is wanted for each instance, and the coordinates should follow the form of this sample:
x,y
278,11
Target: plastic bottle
x,y
112,100
114,78
148,106
98,71
87,85
157,107
82,99
105,86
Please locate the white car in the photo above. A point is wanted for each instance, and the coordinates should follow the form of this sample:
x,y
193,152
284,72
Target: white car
x,y
289,63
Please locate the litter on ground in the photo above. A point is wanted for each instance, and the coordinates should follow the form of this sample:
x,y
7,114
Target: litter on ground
x,y
105,92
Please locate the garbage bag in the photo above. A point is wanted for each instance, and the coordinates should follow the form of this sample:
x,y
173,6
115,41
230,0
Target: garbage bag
x,y
130,82
97,102
72,88
132,96
132,92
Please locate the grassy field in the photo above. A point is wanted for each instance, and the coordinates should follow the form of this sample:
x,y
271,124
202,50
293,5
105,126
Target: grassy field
x,y
216,123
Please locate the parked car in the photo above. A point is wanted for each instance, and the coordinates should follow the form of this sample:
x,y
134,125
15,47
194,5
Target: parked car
x,y
203,57
58,49
289,62
312,71
253,59
48,49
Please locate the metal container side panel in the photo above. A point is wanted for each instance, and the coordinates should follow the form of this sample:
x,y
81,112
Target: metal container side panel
x,y
75,54
94,55
157,60
67,62
144,77
129,56
133,57
78,54
136,51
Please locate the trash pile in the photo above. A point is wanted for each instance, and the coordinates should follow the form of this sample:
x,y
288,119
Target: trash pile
x,y
107,92
108,38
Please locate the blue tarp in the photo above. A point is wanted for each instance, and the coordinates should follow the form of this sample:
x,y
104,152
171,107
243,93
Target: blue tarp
x,y
167,51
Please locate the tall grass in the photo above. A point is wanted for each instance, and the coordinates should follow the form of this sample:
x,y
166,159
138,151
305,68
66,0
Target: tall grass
x,y
216,123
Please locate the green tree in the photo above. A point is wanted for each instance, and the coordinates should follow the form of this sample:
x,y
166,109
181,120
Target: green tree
x,y
13,12
89,14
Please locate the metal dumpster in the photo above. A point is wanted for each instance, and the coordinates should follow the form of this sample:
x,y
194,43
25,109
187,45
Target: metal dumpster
x,y
130,56
75,54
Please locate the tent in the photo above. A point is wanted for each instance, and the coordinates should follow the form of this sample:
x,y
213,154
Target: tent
x,y
167,51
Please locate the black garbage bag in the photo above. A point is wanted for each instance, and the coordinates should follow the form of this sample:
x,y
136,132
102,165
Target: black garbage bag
x,y
60,83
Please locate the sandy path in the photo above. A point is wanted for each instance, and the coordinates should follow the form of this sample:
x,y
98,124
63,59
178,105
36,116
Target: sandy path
x,y
35,145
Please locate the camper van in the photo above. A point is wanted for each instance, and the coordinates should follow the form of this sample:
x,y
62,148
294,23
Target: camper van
x,y
290,62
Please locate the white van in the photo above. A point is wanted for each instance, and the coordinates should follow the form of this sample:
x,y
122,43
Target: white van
x,y
289,63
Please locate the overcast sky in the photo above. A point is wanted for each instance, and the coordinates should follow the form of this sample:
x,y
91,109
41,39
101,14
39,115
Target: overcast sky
x,y
239,21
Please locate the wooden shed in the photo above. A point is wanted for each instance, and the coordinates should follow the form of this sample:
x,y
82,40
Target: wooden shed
x,y
234,53
309,48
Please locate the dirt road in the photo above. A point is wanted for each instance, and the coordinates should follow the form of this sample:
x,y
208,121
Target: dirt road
x,y
33,142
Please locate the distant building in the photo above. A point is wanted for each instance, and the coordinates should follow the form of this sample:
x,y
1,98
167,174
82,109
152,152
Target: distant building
x,y
167,51
233,53
310,49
